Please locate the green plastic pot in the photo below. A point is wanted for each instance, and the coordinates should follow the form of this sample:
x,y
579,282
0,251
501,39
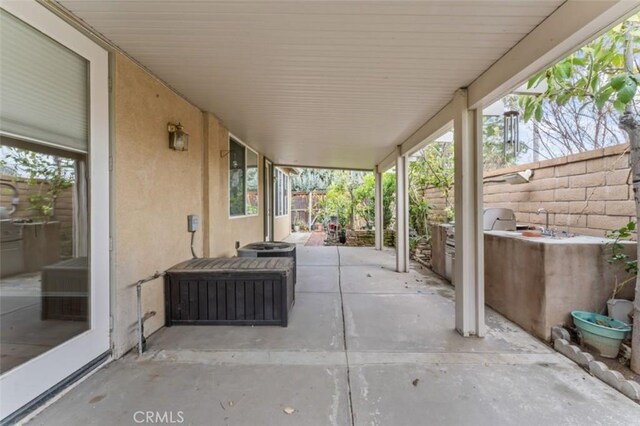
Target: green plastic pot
x,y
600,332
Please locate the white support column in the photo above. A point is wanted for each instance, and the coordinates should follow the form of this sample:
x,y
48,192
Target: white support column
x,y
402,212
379,210
469,257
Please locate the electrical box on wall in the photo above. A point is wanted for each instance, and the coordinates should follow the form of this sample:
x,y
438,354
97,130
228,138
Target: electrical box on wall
x,y
193,222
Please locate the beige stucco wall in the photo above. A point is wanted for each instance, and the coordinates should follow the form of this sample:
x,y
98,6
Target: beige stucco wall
x,y
224,231
281,227
536,283
155,189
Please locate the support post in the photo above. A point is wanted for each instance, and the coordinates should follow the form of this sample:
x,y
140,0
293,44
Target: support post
x,y
379,210
402,212
469,233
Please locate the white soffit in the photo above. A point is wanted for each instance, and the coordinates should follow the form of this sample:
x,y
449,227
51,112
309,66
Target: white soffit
x,y
317,83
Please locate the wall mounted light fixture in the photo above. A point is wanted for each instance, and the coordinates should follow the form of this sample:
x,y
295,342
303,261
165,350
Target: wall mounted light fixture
x,y
178,138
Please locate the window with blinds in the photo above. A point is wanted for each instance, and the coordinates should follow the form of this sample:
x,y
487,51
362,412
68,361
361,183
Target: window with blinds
x,y
43,87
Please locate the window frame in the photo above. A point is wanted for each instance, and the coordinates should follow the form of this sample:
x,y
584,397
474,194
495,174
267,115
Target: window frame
x,y
281,191
246,148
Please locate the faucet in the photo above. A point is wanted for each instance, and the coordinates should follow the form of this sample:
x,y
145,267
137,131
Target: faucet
x,y
545,230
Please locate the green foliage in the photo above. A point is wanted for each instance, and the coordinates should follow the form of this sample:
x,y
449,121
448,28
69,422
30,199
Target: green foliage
x,y
414,241
439,167
351,196
617,249
388,197
50,174
597,73
619,256
493,144
419,207
337,201
433,168
252,190
364,198
310,180
237,201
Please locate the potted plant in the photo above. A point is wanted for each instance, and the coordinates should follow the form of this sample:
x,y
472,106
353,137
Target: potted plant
x,y
606,333
602,333
621,309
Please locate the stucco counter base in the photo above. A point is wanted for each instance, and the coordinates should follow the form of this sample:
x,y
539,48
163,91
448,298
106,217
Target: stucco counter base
x,y
537,282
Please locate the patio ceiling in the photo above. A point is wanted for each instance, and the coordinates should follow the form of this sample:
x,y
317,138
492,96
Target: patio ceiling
x,y
314,83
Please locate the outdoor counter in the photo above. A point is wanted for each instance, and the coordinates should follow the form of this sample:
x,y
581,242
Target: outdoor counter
x,y
537,281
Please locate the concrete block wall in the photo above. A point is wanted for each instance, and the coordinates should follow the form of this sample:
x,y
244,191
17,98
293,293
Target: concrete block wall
x,y
438,203
586,193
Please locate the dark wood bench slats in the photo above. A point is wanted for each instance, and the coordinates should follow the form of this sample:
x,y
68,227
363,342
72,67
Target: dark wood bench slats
x,y
226,291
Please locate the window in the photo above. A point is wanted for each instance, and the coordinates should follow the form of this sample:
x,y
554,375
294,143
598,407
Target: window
x,y
252,182
282,193
243,180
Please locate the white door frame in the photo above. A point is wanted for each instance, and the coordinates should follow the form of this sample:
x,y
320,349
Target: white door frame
x,y
268,200
26,382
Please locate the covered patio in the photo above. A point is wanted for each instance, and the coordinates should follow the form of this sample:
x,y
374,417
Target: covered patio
x,y
256,89
365,345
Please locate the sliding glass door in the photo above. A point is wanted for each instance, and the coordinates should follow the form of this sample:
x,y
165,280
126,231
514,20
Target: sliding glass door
x,y
54,209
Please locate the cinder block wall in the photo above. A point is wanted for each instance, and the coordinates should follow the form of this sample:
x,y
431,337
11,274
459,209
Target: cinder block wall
x,y
585,193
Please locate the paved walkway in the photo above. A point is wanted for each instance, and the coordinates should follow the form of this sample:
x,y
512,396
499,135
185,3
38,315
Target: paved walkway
x,y
365,346
317,238
300,238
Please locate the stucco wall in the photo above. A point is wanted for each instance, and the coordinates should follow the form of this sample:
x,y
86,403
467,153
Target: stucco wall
x,y
155,189
585,193
537,283
281,227
224,231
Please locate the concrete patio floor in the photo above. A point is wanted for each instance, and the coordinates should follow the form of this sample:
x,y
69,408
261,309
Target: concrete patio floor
x,y
364,346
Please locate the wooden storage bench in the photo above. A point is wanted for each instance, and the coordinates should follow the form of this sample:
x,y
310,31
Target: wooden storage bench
x,y
229,291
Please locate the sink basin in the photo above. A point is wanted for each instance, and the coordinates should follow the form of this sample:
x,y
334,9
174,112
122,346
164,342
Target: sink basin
x,y
514,233
561,235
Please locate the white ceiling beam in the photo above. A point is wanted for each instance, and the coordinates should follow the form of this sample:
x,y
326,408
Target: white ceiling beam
x,y
428,132
438,125
569,27
388,162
